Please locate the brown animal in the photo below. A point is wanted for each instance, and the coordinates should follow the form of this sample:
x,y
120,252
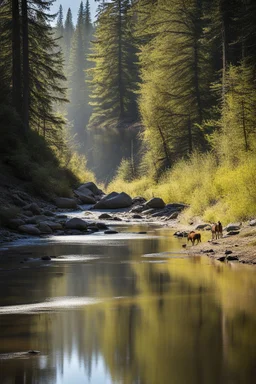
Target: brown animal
x,y
216,230
193,236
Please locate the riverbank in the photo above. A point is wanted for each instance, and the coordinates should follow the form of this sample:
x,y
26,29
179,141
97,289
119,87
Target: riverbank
x,y
33,216
240,247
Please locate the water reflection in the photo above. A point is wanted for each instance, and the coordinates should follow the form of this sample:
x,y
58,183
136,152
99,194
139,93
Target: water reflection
x,y
189,320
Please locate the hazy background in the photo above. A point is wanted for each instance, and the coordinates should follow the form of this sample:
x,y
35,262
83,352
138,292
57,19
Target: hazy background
x,y
74,5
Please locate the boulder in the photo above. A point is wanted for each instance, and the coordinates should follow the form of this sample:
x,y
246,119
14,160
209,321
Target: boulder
x,y
114,201
29,229
233,227
116,218
86,199
105,216
48,213
138,200
66,203
36,219
46,258
54,226
76,223
44,228
90,186
102,226
15,223
139,217
34,208
173,216
252,223
203,226
232,258
156,202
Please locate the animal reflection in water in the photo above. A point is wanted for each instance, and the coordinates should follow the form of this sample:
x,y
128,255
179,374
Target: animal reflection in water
x,y
194,236
216,229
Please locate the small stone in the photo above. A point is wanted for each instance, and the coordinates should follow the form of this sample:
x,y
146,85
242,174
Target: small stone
x,y
232,258
105,216
48,213
227,252
102,226
34,208
76,223
221,258
46,258
139,217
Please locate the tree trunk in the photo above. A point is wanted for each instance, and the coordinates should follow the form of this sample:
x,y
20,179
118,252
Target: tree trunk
x,y
24,7
190,142
225,41
165,148
16,58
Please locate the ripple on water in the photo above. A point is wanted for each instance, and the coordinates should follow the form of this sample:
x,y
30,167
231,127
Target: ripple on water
x,y
51,305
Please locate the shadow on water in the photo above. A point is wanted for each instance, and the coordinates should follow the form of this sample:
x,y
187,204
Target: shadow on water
x,y
125,309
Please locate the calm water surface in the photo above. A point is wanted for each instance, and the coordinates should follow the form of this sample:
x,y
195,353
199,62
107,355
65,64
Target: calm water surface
x,y
125,308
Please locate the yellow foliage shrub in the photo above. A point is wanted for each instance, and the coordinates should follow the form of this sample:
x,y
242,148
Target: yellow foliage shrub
x,y
214,192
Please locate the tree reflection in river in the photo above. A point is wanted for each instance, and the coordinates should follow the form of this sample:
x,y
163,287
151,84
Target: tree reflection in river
x,y
188,320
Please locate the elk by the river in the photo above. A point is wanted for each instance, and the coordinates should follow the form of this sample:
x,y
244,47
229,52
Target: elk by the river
x,y
216,229
193,236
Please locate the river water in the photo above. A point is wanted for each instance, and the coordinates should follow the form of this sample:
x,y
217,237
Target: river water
x,y
126,308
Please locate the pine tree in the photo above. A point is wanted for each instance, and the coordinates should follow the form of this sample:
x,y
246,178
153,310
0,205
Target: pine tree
x,y
67,37
175,82
113,86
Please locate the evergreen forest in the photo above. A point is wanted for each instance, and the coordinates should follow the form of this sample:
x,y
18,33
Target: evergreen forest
x,y
153,97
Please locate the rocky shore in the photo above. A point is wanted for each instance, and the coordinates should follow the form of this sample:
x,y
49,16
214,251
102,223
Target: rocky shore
x,y
24,215
90,210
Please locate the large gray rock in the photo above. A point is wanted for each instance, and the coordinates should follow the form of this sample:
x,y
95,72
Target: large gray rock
x,y
76,223
85,195
252,223
156,202
92,187
66,203
233,227
203,226
44,228
34,208
29,229
114,201
53,225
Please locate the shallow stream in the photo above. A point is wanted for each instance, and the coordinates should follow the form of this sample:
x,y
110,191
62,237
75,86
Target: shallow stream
x,y
125,308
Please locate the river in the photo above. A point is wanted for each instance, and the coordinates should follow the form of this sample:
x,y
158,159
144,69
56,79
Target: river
x,y
125,308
